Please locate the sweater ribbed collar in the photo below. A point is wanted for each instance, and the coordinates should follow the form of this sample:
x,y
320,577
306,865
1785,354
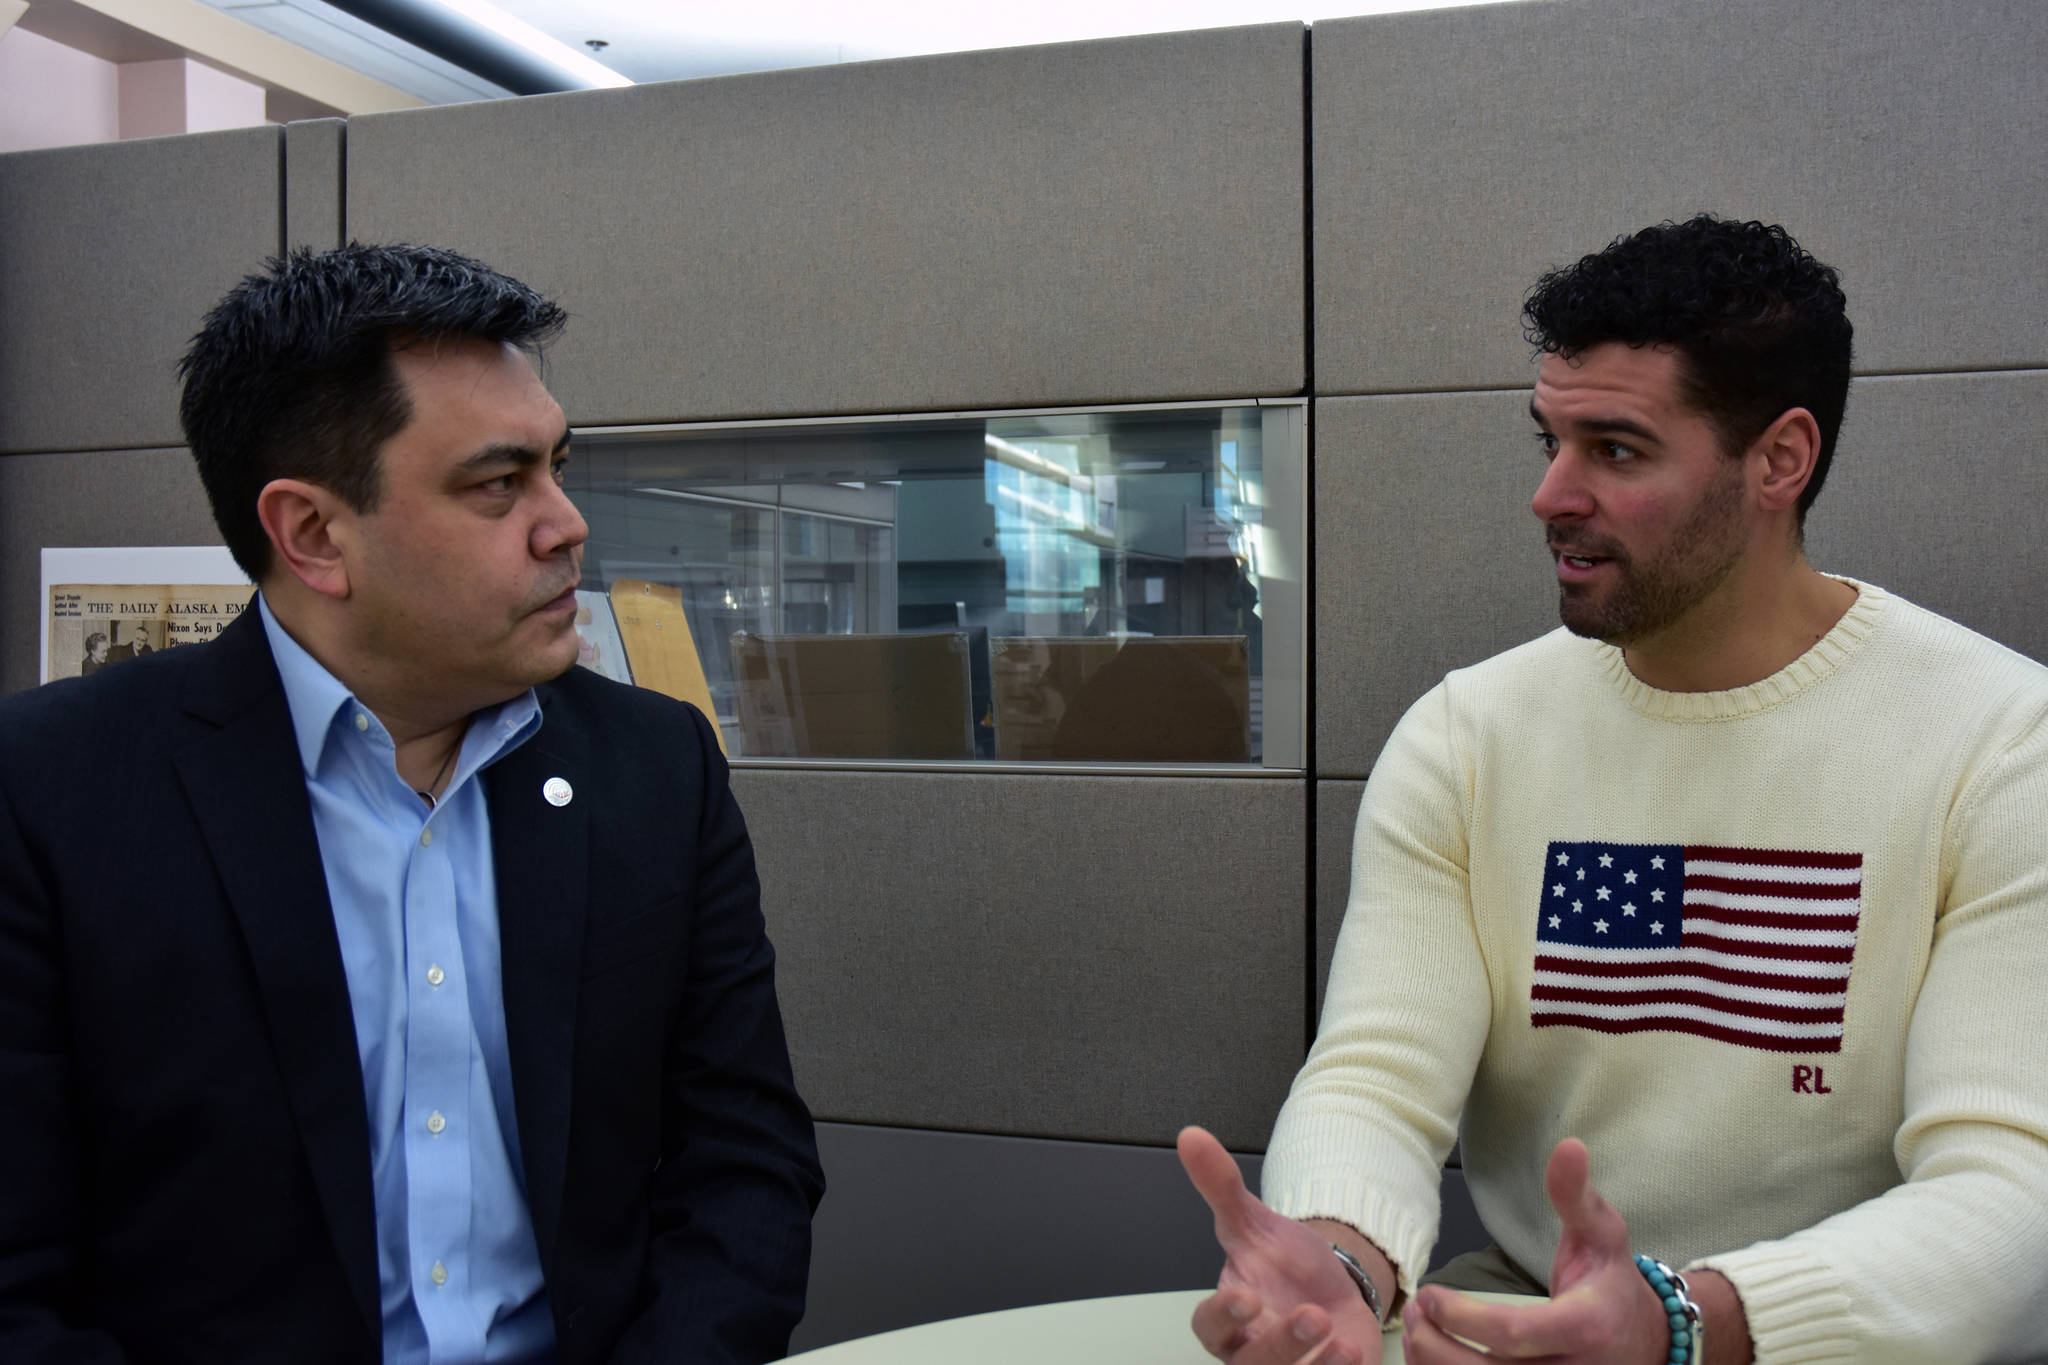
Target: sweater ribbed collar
x,y
1808,670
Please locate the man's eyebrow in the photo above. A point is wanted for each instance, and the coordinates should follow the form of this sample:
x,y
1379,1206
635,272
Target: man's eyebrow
x,y
1600,426
504,453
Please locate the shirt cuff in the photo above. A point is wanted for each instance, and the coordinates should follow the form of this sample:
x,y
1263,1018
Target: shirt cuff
x,y
1795,1307
1402,1238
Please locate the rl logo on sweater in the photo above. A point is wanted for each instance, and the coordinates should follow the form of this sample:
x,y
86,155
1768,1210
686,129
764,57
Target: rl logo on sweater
x,y
1750,946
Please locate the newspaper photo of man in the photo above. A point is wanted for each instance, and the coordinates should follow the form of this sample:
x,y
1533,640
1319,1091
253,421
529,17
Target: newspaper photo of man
x,y
135,644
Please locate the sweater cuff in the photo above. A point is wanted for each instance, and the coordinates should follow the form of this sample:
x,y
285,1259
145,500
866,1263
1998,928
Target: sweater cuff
x,y
1392,1227
1795,1307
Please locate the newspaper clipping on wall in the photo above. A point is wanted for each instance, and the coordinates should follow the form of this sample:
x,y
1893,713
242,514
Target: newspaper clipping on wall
x,y
92,624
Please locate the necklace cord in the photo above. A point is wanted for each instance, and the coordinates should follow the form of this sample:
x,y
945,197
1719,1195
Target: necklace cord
x,y
428,794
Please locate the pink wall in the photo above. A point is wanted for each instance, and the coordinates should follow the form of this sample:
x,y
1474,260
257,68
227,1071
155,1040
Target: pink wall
x,y
54,96
179,95
152,98
214,99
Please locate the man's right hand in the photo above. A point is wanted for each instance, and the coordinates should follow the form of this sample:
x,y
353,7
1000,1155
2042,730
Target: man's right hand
x,y
1283,1297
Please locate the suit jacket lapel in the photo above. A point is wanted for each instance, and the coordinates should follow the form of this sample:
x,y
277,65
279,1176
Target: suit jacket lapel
x,y
245,782
542,853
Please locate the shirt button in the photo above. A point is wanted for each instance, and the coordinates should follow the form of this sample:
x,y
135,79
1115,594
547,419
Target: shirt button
x,y
426,838
435,1123
362,721
435,976
439,1274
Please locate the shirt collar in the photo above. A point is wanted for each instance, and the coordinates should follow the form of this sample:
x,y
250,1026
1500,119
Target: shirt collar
x,y
318,700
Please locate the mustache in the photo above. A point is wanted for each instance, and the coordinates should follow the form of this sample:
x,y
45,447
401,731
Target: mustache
x,y
1592,546
547,595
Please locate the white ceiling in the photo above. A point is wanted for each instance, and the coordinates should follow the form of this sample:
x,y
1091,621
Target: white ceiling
x,y
659,40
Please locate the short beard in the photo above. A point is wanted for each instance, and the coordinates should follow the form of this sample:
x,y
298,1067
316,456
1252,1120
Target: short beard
x,y
1647,599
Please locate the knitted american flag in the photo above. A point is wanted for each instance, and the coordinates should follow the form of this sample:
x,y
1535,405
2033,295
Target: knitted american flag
x,y
1745,945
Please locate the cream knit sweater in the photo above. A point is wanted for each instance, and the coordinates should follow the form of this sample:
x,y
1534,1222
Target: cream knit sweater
x,y
1879,1194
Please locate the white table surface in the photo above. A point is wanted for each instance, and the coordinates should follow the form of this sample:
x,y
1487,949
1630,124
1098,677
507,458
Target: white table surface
x,y
1135,1329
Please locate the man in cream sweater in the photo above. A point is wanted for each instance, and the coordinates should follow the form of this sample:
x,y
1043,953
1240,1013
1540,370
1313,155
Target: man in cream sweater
x,y
1730,897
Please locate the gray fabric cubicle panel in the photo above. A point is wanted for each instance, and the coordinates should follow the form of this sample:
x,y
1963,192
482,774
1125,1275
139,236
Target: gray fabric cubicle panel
x,y
113,254
313,152
1336,820
1428,558
1940,494
1461,152
1089,222
1047,1221
1427,555
1092,957
922,1226
100,497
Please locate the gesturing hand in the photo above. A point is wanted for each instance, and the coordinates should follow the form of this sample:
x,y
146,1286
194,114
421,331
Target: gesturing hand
x,y
1282,1299
1601,1310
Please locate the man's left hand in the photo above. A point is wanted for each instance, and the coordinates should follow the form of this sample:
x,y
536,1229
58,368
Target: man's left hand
x,y
1601,1310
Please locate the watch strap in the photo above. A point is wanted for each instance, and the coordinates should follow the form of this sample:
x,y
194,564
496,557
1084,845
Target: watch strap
x,y
1366,1288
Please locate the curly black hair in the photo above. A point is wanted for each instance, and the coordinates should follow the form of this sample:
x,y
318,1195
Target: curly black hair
x,y
290,375
1761,326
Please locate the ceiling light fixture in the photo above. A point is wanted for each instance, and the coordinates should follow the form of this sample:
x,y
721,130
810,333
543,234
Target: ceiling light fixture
x,y
589,72
484,40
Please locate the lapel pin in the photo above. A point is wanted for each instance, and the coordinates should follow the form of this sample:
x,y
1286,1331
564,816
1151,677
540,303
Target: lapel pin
x,y
558,791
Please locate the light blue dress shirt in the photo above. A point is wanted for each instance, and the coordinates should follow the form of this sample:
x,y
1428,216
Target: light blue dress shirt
x,y
416,908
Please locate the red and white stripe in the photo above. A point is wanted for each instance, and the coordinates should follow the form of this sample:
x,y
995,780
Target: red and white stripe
x,y
1763,961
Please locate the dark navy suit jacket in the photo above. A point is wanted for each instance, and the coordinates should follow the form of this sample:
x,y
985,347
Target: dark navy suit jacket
x,y
184,1152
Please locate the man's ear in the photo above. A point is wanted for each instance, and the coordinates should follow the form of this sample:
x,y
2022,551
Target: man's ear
x,y
1786,452
302,520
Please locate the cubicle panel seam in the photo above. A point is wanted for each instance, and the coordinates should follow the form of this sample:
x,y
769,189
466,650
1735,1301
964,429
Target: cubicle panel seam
x,y
315,180
1309,680
283,192
1959,371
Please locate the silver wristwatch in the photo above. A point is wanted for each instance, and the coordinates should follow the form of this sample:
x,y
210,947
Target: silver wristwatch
x,y
1366,1287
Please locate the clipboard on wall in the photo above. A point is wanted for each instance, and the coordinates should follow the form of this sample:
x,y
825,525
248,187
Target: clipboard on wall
x,y
656,633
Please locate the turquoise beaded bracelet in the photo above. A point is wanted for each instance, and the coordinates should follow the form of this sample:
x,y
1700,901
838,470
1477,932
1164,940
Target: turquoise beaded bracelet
x,y
1688,1333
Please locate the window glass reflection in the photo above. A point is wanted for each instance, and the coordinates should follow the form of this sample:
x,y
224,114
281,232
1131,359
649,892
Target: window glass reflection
x,y
1032,588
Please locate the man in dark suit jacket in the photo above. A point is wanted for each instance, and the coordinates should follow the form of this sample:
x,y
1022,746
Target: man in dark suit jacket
x,y
212,1139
